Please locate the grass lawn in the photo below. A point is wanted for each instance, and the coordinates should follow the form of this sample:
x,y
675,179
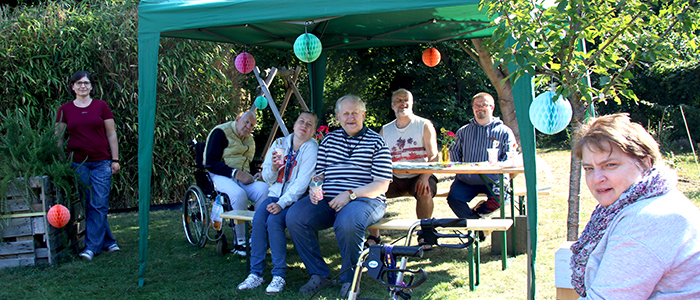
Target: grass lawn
x,y
177,270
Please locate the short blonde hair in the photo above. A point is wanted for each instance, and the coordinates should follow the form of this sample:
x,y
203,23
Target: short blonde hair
x,y
603,132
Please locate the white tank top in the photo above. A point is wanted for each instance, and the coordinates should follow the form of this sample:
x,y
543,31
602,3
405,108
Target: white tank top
x,y
406,144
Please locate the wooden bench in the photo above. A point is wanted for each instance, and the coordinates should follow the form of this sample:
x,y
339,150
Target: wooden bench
x,y
473,255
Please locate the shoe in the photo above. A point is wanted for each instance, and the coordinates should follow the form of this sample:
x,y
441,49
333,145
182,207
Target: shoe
x,y
113,248
345,290
275,286
240,248
87,254
371,238
314,285
251,282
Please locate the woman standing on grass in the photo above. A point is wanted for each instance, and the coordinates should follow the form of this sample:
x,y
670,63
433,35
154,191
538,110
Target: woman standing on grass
x,y
643,240
92,139
289,174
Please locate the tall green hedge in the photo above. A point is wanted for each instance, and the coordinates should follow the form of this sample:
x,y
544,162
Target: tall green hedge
x,y
198,87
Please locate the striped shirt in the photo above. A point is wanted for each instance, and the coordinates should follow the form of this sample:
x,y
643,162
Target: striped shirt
x,y
349,162
473,139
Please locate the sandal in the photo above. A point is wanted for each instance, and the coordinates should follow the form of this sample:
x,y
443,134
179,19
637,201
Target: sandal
x,y
421,242
375,239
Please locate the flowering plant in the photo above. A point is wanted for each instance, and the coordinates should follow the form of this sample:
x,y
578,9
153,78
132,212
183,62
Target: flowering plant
x,y
447,138
321,132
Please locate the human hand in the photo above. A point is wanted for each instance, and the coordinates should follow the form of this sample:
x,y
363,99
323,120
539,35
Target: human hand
x,y
340,201
315,195
274,208
258,176
423,185
244,177
115,167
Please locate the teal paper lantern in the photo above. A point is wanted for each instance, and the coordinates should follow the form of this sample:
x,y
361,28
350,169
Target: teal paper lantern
x,y
549,116
261,102
307,47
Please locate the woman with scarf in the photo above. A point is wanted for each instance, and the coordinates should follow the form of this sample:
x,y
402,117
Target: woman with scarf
x,y
643,239
289,174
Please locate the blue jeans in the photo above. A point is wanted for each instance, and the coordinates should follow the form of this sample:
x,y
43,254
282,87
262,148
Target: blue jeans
x,y
304,219
461,194
268,227
97,177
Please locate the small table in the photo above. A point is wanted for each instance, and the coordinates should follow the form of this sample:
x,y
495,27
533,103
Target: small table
x,y
480,168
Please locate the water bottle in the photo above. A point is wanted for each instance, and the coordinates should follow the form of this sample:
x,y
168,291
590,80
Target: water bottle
x,y
216,210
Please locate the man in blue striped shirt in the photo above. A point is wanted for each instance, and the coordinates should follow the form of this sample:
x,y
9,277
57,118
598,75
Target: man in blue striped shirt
x,y
482,132
355,165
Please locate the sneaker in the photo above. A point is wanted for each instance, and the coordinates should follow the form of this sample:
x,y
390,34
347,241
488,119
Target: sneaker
x,y
113,248
275,286
87,254
314,285
345,290
239,248
251,282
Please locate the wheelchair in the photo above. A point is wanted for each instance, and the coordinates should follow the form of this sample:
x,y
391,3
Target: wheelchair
x,y
197,204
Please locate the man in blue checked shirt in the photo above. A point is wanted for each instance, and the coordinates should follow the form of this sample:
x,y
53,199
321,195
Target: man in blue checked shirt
x,y
355,165
482,132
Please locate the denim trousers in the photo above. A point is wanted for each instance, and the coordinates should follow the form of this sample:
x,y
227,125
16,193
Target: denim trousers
x,y
461,194
268,228
97,177
304,219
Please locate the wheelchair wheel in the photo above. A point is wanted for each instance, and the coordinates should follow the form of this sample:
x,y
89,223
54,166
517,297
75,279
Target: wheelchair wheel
x,y
222,245
194,216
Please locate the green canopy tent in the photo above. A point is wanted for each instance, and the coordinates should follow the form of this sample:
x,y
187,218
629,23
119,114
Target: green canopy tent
x,y
340,24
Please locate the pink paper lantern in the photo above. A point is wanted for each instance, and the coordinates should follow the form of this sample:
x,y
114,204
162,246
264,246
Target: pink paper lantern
x,y
245,63
58,216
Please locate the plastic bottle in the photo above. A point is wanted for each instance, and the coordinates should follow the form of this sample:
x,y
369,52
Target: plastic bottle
x,y
216,210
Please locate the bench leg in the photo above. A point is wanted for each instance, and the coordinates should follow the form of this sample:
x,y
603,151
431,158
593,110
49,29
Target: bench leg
x,y
247,242
470,260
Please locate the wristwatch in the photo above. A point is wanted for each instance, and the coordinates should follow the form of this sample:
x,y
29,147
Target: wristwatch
x,y
353,196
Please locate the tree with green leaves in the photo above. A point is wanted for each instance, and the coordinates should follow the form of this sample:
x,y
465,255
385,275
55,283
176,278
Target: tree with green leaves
x,y
588,48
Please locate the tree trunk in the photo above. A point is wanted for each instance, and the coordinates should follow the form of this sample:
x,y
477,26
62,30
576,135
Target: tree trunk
x,y
504,90
579,107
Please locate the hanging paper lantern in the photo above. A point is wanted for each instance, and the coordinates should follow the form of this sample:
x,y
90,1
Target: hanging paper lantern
x,y
549,116
431,57
58,216
261,102
245,63
307,47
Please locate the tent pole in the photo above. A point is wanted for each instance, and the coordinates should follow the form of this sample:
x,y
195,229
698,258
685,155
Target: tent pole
x,y
317,74
523,93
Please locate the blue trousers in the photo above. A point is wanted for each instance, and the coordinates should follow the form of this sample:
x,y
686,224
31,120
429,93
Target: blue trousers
x,y
304,219
461,194
97,177
268,228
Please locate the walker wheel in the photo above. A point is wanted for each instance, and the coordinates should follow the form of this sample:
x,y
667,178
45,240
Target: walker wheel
x,y
222,245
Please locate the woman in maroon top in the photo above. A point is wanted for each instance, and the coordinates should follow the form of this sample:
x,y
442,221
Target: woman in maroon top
x,y
92,139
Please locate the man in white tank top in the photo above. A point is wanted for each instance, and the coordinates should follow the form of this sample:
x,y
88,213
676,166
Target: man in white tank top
x,y
410,138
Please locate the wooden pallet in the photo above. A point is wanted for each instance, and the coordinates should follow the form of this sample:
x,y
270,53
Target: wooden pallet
x,y
29,239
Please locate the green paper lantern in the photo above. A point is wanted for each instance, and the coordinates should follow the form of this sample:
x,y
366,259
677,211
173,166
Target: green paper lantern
x,y
261,102
307,47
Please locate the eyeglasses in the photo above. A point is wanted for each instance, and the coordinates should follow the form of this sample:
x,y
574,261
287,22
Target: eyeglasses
x,y
481,106
82,83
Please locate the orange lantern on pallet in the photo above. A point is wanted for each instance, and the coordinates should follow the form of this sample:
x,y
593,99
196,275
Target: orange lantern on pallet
x,y
58,216
431,57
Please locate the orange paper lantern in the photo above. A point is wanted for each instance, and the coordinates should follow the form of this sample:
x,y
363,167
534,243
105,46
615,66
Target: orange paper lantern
x,y
58,216
431,57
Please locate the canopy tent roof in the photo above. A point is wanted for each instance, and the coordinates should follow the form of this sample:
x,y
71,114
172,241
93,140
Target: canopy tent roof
x,y
340,24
